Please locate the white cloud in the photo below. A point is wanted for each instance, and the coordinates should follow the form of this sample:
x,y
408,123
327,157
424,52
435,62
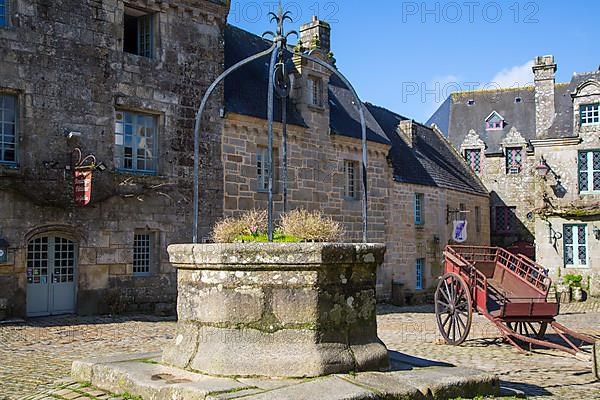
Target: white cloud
x,y
520,75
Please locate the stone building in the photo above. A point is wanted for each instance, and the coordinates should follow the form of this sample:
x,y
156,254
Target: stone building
x,y
120,80
418,184
537,149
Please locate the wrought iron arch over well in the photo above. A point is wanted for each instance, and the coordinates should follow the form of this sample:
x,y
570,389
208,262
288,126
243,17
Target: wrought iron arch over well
x,y
278,82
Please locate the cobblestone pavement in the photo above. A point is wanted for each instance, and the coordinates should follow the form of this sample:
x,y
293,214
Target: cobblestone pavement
x,y
545,374
37,354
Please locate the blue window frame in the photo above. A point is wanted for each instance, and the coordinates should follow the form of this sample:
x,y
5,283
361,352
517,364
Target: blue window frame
x,y
136,142
575,246
3,13
589,114
419,273
8,129
419,206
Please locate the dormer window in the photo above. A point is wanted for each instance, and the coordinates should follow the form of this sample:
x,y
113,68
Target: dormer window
x,y
315,92
494,122
590,114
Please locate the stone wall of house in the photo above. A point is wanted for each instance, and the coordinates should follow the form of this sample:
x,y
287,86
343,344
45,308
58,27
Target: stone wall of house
x,y
315,174
407,242
567,205
64,62
511,190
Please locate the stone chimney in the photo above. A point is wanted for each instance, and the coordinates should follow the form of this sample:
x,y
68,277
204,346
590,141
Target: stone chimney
x,y
544,70
316,34
408,132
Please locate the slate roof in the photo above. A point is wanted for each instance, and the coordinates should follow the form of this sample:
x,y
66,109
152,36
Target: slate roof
x,y
246,89
456,116
345,118
432,160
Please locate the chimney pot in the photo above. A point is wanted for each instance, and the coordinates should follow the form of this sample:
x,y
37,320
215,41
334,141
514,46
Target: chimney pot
x,y
316,32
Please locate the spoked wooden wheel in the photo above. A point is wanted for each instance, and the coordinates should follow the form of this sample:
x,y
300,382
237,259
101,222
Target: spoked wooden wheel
x,y
453,309
535,330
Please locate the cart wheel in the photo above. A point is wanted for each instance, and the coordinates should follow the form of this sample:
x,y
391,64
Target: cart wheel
x,y
453,309
535,330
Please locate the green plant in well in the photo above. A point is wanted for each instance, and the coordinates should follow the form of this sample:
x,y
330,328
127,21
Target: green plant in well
x,y
294,226
250,223
278,237
573,280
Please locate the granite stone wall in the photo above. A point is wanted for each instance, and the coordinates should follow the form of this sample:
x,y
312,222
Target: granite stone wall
x,y
64,62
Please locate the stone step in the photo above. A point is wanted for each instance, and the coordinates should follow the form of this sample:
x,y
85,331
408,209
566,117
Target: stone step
x,y
140,376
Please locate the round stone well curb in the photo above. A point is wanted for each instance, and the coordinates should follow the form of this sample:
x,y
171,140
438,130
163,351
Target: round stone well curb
x,y
276,309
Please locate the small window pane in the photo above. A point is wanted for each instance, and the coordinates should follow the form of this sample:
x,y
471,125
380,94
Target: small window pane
x,y
142,254
419,205
351,179
315,91
262,169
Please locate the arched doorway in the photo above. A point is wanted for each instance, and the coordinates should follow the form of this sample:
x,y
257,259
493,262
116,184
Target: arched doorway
x,y
51,275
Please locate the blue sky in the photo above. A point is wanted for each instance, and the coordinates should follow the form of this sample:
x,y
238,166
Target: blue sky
x,y
409,55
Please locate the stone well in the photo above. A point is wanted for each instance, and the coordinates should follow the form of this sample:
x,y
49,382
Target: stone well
x,y
277,310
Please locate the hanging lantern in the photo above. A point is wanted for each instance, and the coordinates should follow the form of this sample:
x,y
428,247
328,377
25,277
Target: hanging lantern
x,y
542,169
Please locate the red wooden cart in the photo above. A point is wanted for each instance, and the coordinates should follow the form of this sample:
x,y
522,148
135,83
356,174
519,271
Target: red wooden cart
x,y
509,290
